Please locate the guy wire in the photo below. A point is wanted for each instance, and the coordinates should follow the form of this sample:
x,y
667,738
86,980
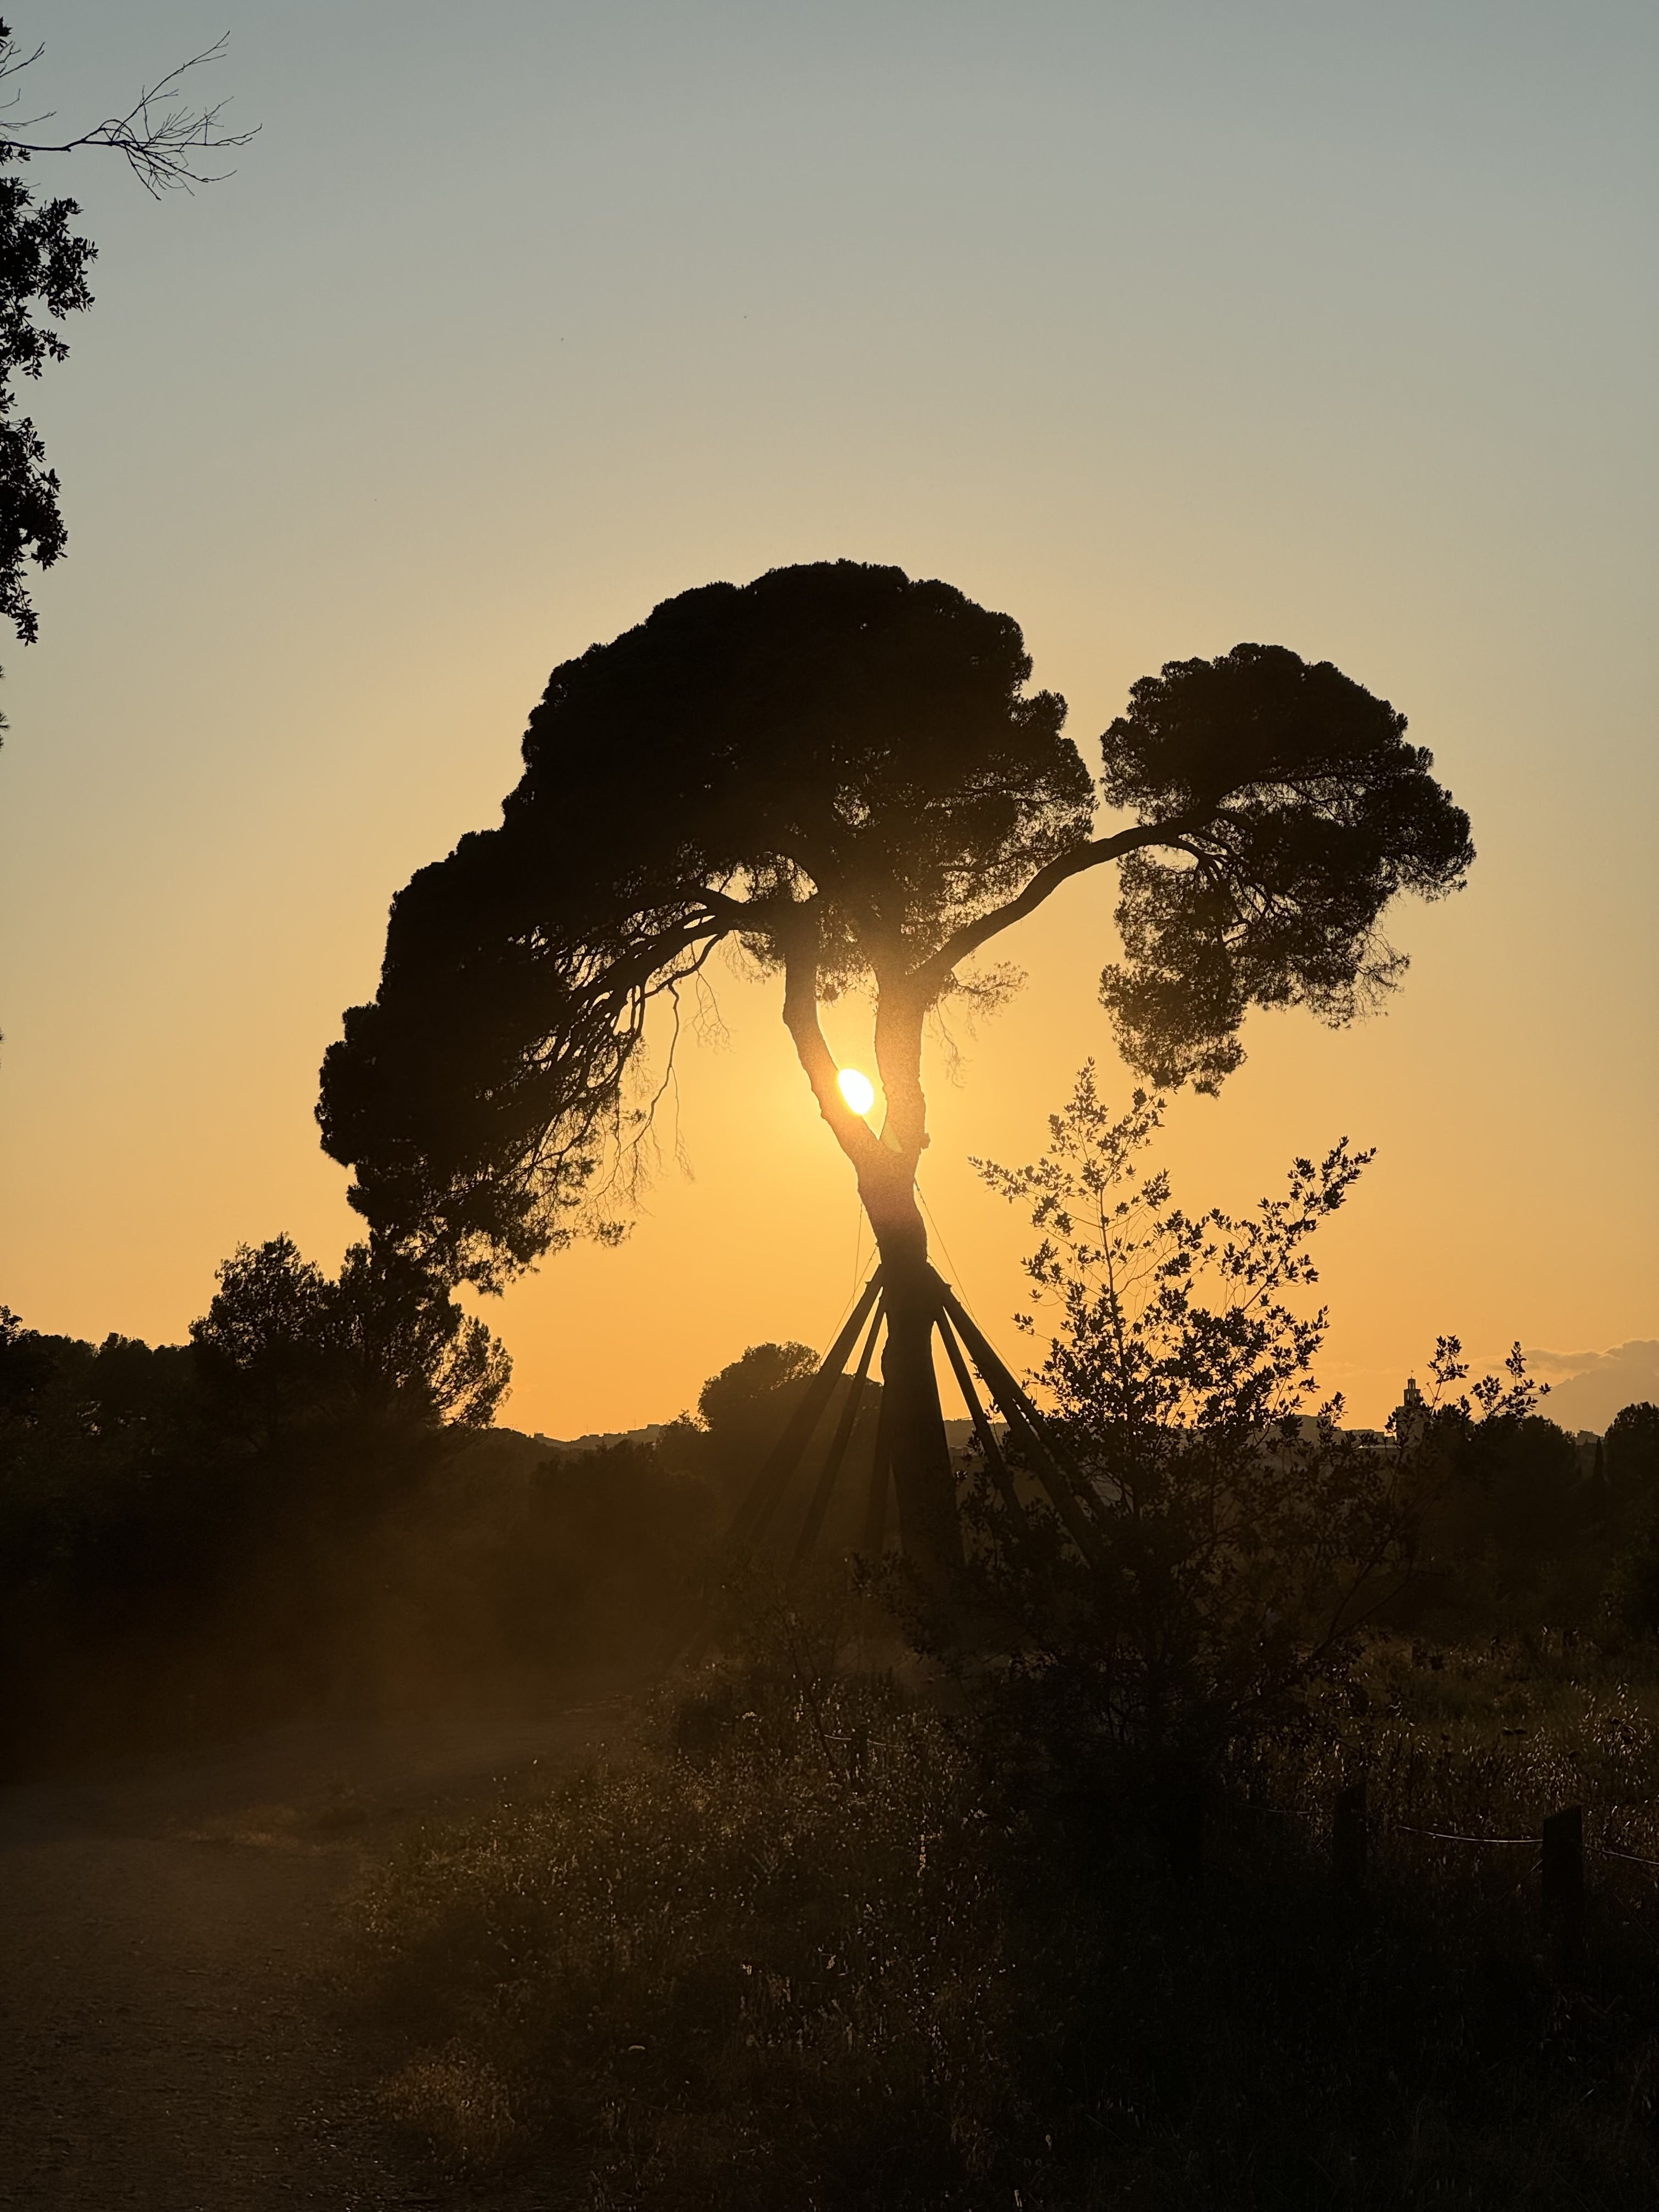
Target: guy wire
x,y
950,1257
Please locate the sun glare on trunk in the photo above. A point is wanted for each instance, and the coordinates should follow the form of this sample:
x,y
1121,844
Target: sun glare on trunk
x,y
857,1090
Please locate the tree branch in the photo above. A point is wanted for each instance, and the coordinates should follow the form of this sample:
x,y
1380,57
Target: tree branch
x,y
935,973
796,936
746,916
158,148
899,1012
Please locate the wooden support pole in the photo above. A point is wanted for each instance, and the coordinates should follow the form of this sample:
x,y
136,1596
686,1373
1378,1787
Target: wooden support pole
x,y
1564,1885
881,1481
819,1504
766,1492
753,1515
1179,1810
1023,1420
988,1444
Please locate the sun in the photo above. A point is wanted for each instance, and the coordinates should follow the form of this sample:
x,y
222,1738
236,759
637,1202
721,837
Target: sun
x,y
857,1090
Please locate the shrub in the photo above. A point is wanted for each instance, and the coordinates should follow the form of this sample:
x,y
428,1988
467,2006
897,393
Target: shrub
x,y
1223,1539
797,1945
758,1958
1231,1538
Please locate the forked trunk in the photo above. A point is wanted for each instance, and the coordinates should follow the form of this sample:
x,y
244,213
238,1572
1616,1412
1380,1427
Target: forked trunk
x,y
885,1165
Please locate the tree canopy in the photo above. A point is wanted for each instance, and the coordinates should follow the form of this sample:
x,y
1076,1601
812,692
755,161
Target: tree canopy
x,y
288,1347
43,278
1303,812
843,771
834,744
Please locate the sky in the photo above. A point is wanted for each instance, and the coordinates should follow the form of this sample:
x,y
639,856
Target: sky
x,y
1159,327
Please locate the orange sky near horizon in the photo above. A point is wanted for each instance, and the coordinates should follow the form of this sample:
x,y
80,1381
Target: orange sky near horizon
x,y
1159,328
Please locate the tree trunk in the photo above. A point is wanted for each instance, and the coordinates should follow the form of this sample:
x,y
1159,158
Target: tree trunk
x,y
922,1475
886,1171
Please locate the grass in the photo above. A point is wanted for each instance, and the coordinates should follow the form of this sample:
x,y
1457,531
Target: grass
x,y
793,1944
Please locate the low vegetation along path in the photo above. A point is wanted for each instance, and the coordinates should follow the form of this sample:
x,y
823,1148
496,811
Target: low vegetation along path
x,y
171,2034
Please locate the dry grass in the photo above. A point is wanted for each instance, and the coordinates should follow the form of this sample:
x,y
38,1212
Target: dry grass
x,y
797,1947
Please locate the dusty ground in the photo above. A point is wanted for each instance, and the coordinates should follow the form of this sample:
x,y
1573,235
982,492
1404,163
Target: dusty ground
x,y
172,2037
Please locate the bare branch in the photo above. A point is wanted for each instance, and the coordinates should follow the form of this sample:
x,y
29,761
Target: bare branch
x,y
13,62
160,137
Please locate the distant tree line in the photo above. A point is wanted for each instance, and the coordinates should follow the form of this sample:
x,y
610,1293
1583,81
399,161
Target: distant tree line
x,y
146,1492
307,1500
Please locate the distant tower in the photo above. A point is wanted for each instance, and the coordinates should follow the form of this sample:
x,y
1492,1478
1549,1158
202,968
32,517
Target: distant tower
x,y
1410,1418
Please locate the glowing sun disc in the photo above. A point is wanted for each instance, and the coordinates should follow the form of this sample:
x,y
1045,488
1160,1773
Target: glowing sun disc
x,y
857,1090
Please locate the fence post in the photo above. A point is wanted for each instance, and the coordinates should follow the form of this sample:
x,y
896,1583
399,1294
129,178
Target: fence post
x,y
1348,1839
1180,1816
1564,1885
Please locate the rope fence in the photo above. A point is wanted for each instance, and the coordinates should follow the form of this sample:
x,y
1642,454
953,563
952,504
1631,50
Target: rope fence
x,y
1560,1845
1458,1836
1450,1836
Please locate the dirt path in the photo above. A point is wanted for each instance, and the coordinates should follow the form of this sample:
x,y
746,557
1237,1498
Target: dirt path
x,y
170,2038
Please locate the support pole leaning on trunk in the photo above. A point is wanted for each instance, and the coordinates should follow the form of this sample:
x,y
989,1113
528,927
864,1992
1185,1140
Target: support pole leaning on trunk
x,y
988,1444
924,1481
766,1492
1024,1421
881,1481
819,1505
753,1518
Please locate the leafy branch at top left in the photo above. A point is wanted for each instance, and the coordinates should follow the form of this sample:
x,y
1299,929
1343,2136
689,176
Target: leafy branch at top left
x,y
163,139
